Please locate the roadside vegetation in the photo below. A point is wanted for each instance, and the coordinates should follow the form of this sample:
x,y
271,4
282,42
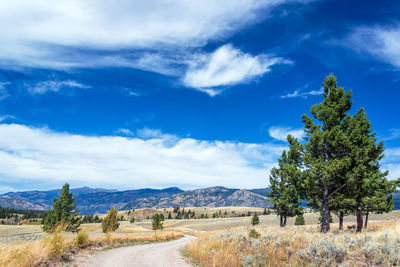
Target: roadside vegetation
x,y
298,246
61,246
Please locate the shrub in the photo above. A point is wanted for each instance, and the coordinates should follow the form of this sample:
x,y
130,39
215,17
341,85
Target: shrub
x,y
323,253
254,234
110,222
300,220
82,239
255,220
132,220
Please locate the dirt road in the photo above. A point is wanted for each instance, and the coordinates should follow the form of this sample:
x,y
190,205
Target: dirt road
x,y
158,254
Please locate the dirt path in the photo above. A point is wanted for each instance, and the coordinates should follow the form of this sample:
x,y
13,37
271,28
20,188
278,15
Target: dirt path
x,y
158,254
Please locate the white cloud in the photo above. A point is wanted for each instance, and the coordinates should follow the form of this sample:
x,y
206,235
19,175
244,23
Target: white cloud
x,y
394,170
281,133
227,66
383,43
54,86
124,131
3,90
38,154
96,33
394,134
6,117
298,93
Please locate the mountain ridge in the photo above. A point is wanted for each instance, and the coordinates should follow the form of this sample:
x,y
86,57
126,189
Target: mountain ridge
x,y
99,200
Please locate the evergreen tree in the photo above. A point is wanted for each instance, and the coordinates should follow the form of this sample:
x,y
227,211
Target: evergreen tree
x,y
64,214
255,220
326,162
110,222
300,220
285,182
169,216
368,184
157,223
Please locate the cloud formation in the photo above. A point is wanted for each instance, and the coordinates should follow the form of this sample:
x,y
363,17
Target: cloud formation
x,y
156,36
227,66
43,87
39,34
383,43
299,94
31,154
281,133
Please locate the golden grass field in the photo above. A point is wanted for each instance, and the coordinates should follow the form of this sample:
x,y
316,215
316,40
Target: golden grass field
x,y
221,242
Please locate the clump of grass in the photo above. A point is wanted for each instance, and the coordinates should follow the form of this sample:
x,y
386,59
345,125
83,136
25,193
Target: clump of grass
x,y
82,239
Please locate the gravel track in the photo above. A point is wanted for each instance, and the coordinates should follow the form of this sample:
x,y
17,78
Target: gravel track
x,y
163,254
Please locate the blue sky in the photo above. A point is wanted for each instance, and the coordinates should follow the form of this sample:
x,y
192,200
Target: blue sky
x,y
189,94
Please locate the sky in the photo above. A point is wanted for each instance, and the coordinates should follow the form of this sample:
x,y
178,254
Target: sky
x,y
137,94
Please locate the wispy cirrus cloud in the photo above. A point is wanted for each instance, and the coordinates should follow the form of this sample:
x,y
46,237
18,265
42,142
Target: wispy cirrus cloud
x,y
3,90
280,132
124,131
300,93
155,159
381,42
43,87
227,66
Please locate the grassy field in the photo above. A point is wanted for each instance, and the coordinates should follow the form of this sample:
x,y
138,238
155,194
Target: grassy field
x,y
222,241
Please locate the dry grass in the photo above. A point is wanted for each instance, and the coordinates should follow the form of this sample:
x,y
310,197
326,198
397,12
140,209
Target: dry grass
x,y
298,246
57,246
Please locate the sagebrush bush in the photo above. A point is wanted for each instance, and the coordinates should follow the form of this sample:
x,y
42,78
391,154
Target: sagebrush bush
x,y
323,253
254,234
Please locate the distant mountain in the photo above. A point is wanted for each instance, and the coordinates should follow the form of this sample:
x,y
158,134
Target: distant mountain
x,y
19,204
99,200
45,198
211,197
143,198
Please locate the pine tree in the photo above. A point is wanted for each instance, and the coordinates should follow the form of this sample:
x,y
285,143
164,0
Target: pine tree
x,y
64,214
326,162
157,223
368,184
299,220
255,220
110,222
285,182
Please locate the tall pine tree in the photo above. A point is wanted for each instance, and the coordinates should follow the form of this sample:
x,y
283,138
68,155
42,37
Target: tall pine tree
x,y
368,185
284,183
325,159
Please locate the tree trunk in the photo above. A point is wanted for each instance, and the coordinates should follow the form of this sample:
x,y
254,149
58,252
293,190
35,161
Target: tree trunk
x,y
341,220
284,220
366,220
359,218
325,224
281,220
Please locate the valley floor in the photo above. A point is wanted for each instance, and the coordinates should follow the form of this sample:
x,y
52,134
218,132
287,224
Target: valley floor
x,y
225,241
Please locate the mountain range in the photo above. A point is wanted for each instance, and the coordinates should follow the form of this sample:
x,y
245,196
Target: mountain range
x,y
99,200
